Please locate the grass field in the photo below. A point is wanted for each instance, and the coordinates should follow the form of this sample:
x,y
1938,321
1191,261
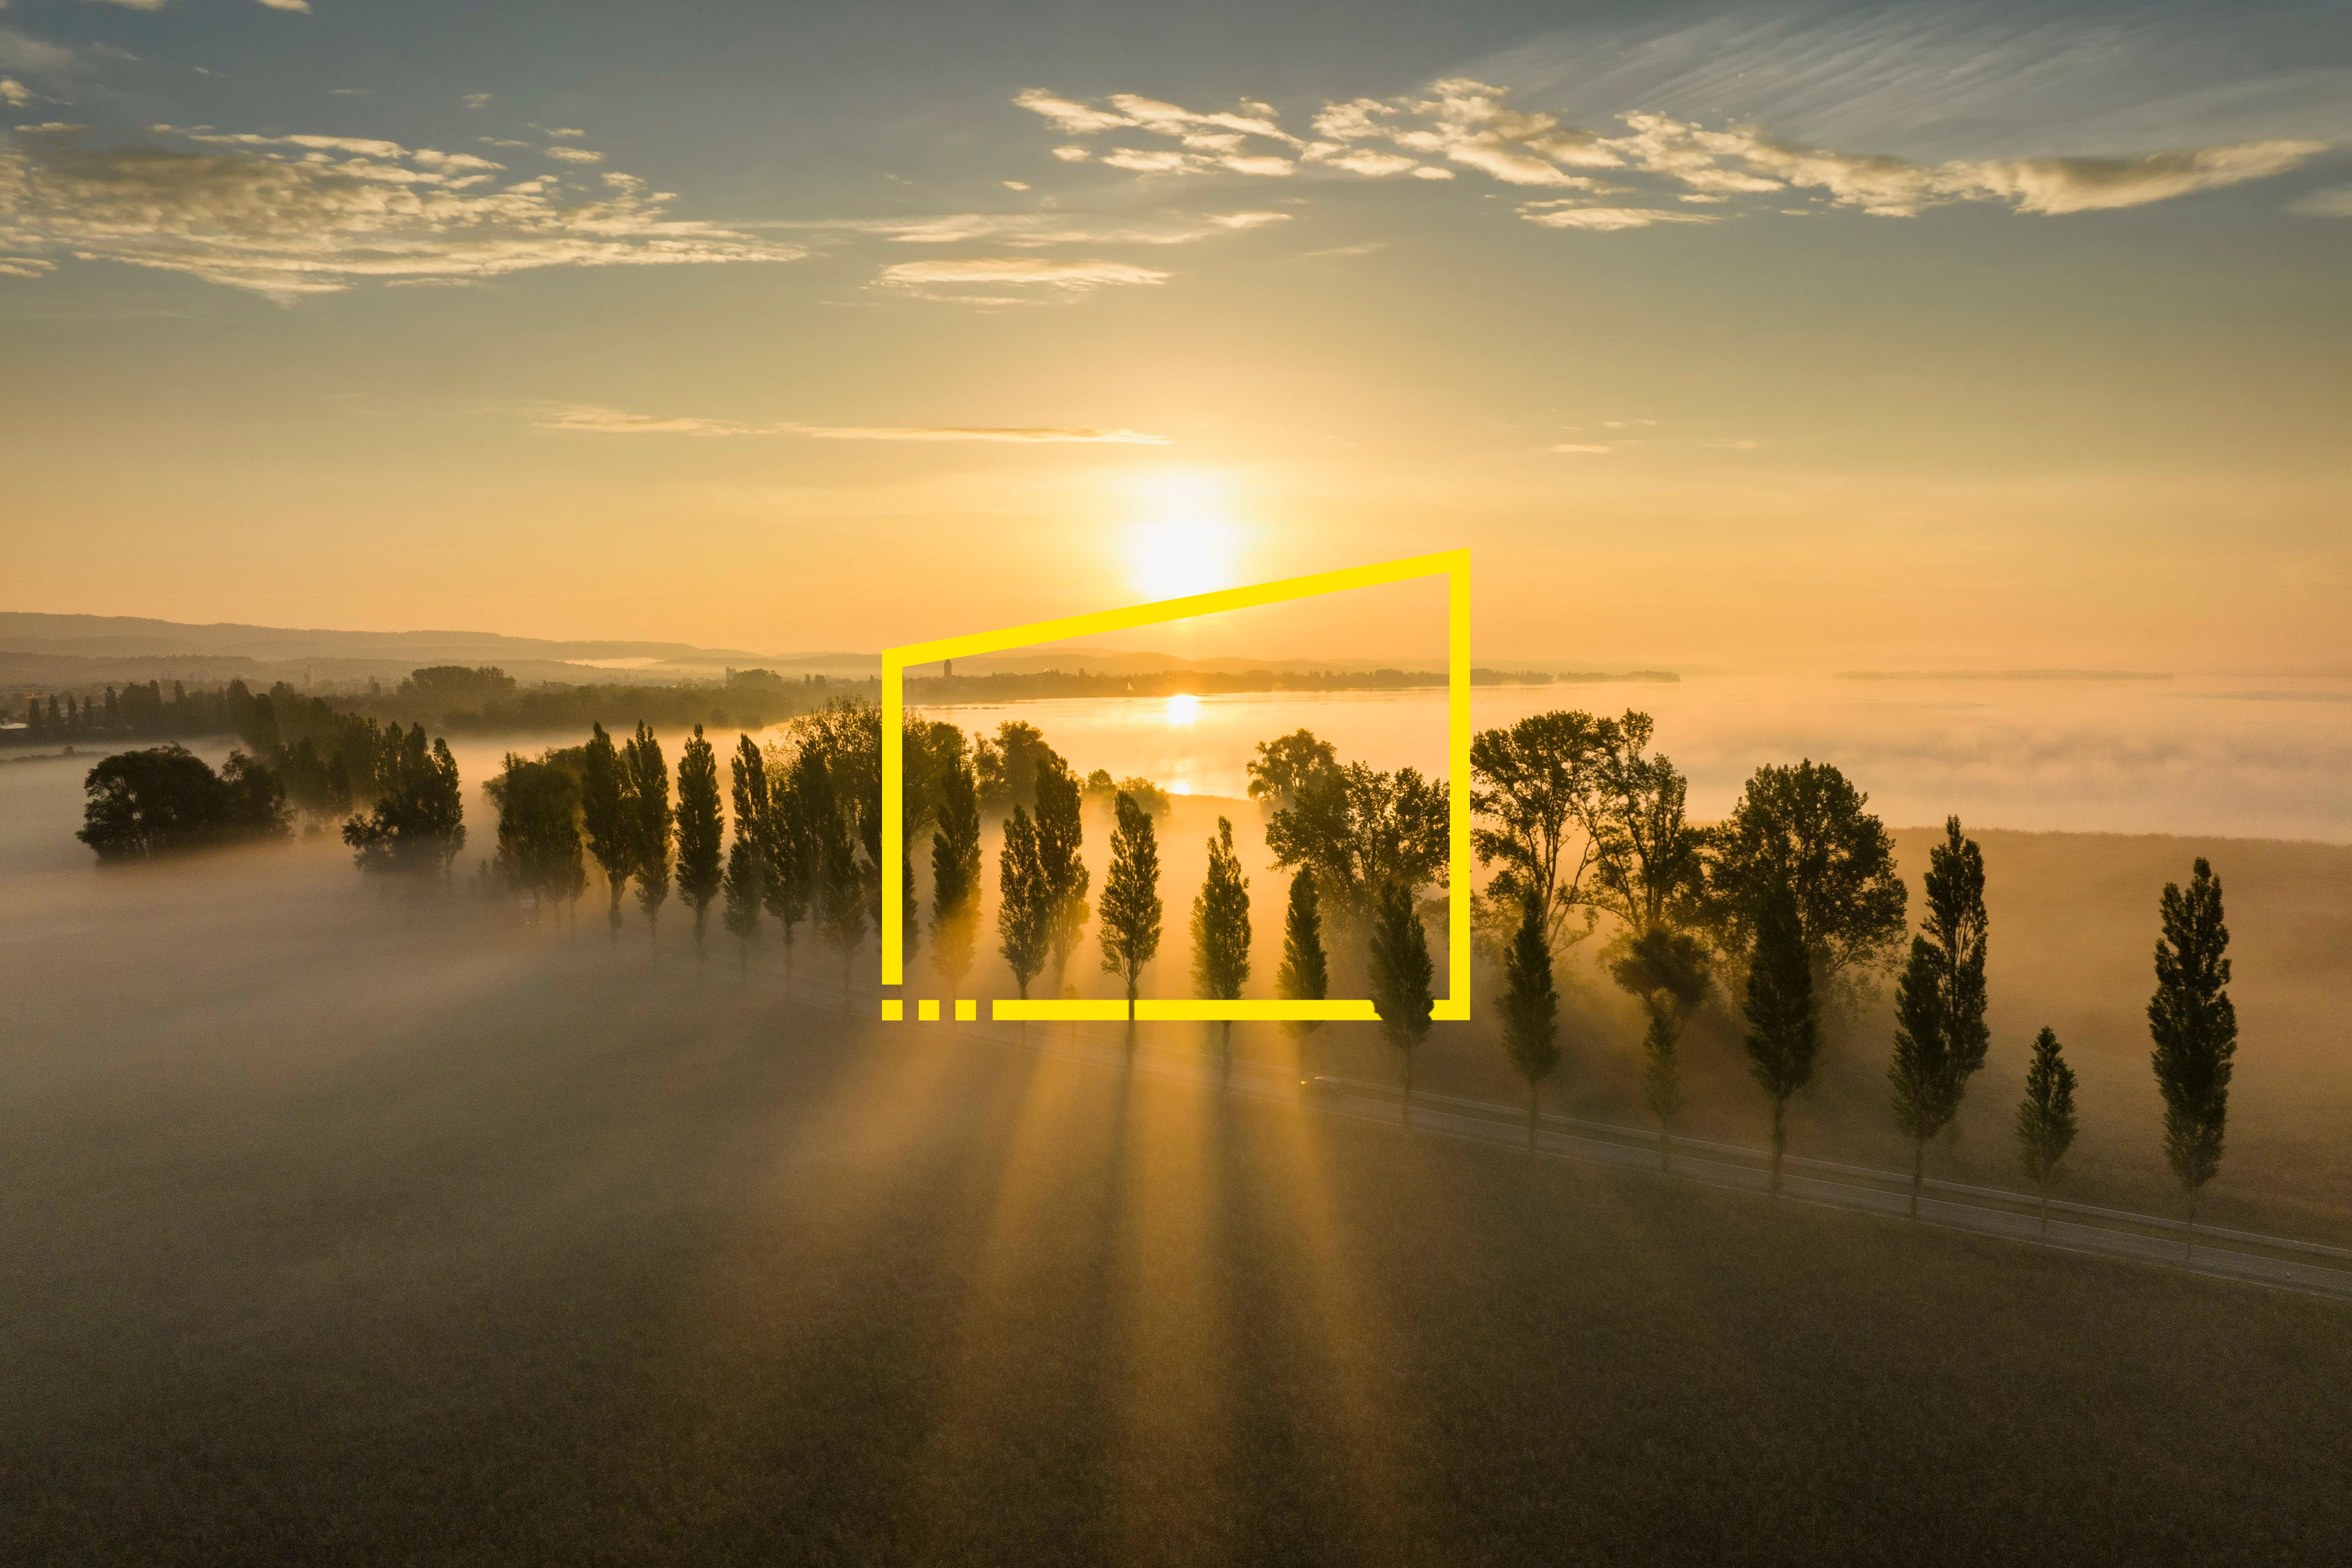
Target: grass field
x,y
340,1230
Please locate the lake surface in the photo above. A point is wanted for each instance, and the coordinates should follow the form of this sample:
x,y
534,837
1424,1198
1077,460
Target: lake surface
x,y
2261,757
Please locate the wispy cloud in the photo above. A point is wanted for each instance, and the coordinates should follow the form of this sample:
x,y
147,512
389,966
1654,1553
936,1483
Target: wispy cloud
x,y
588,419
1041,230
575,155
1464,124
1020,271
288,216
2336,202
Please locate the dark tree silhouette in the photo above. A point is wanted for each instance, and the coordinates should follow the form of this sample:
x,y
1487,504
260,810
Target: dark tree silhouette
x,y
1804,828
955,875
603,811
1358,831
1131,909
2045,1119
645,794
1060,840
1940,1002
743,884
787,852
1024,900
2195,1027
166,799
700,831
1536,788
1530,1005
1283,767
539,830
1670,971
1783,1022
1400,978
1305,974
417,825
1220,936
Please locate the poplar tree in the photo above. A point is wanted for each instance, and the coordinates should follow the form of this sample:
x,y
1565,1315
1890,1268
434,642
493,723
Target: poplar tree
x,y
645,774
1130,901
1060,840
2045,1119
1025,907
2195,1027
743,884
700,831
1220,935
1401,977
839,879
787,855
1530,1005
1940,1002
1670,971
612,828
1783,1019
955,874
1305,974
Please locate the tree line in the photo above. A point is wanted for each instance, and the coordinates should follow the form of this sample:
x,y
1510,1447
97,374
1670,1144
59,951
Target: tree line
x,y
1788,910
135,711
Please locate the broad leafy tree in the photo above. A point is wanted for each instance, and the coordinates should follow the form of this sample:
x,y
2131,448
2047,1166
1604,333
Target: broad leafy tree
x,y
1939,1002
1804,828
1536,789
1306,971
539,830
2045,1119
1530,1006
2195,1027
611,825
1783,1020
1401,974
645,794
700,831
1220,935
1283,767
1358,831
1131,910
166,799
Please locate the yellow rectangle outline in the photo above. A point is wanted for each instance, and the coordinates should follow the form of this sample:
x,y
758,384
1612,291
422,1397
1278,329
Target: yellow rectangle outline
x,y
1452,564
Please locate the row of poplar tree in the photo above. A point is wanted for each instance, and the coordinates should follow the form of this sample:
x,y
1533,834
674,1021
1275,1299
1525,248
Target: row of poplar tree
x,y
1790,909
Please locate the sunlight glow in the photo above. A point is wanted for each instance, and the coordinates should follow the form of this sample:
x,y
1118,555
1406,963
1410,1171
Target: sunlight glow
x,y
1185,540
1183,707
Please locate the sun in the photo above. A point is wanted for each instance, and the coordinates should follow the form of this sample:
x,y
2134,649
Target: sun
x,y
1185,540
1183,709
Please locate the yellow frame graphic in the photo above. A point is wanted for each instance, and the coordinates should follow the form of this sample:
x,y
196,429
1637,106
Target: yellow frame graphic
x,y
1454,566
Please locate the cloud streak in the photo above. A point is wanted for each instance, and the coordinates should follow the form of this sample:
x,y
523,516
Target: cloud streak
x,y
291,215
588,420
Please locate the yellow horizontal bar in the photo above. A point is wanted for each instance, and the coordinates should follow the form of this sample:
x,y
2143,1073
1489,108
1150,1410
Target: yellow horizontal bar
x,y
1059,1010
1337,1009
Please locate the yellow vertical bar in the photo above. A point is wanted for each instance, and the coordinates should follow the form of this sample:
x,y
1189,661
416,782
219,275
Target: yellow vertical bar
x,y
894,837
1457,716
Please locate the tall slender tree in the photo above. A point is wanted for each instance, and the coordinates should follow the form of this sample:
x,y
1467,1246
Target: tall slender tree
x,y
1220,936
2195,1027
1060,840
955,874
787,853
1400,978
2045,1119
840,880
1530,1006
743,886
1783,1020
645,774
1131,909
1940,1002
1024,901
612,826
1305,972
701,831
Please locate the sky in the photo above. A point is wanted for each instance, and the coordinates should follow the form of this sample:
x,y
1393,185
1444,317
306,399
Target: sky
x,y
1725,337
